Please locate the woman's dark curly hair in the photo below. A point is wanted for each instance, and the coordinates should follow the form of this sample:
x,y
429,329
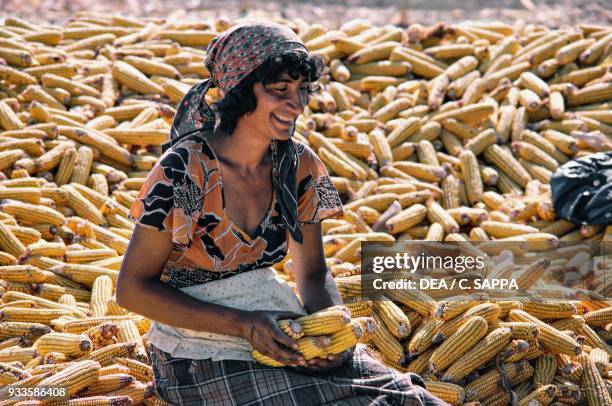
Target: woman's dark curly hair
x,y
241,99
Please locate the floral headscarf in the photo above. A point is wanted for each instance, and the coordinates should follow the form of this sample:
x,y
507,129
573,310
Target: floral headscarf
x,y
230,58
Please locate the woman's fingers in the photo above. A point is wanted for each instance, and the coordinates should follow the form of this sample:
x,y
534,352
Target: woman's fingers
x,y
287,353
267,345
281,337
283,355
330,362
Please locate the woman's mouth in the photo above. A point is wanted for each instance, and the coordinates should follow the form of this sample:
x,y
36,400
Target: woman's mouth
x,y
285,120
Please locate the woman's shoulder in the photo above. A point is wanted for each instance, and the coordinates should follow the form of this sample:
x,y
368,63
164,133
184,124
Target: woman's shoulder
x,y
185,165
303,149
308,160
185,155
310,168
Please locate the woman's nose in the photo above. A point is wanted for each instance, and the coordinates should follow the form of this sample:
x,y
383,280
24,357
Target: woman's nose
x,y
298,101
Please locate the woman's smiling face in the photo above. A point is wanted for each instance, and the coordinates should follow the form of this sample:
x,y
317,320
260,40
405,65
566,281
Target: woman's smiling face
x,y
278,106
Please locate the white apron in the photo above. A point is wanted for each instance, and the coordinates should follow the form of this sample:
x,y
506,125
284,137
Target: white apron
x,y
258,289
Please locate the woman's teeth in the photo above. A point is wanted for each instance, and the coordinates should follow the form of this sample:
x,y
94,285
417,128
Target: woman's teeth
x,y
284,119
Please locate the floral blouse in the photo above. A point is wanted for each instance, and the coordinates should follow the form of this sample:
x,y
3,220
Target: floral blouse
x,y
183,195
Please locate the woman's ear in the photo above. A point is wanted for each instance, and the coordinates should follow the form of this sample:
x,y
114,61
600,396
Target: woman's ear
x,y
221,93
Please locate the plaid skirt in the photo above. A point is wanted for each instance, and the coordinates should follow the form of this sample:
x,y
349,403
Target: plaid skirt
x,y
361,381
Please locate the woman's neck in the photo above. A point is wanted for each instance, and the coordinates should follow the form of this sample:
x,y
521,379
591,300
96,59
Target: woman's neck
x,y
241,151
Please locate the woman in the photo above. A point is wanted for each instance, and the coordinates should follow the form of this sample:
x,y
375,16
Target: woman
x,y
222,204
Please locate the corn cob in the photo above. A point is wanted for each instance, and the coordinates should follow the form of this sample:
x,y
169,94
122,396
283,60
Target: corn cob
x,y
79,326
18,354
521,330
10,243
291,328
104,356
50,249
574,323
600,358
594,386
102,291
129,333
137,369
10,374
386,342
43,316
411,198
598,318
415,300
72,345
35,214
420,66
108,383
448,392
373,53
567,391
478,355
568,368
406,219
437,214
136,390
323,322
41,302
544,371
265,360
593,339
550,337
544,310
133,78
488,384
507,164
89,255
53,292
435,232
458,344
543,395
393,318
471,174
382,148
103,334
8,119
450,196
313,346
422,338
421,171
347,337
82,165
84,274
115,369
75,377
451,308
360,308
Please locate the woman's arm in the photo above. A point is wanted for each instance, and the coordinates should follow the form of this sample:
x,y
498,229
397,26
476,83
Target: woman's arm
x,y
140,290
314,282
317,288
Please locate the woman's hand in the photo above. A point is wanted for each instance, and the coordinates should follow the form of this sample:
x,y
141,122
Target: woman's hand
x,y
323,366
260,329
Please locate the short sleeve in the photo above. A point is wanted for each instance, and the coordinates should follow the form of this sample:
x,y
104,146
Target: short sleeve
x,y
318,199
171,197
